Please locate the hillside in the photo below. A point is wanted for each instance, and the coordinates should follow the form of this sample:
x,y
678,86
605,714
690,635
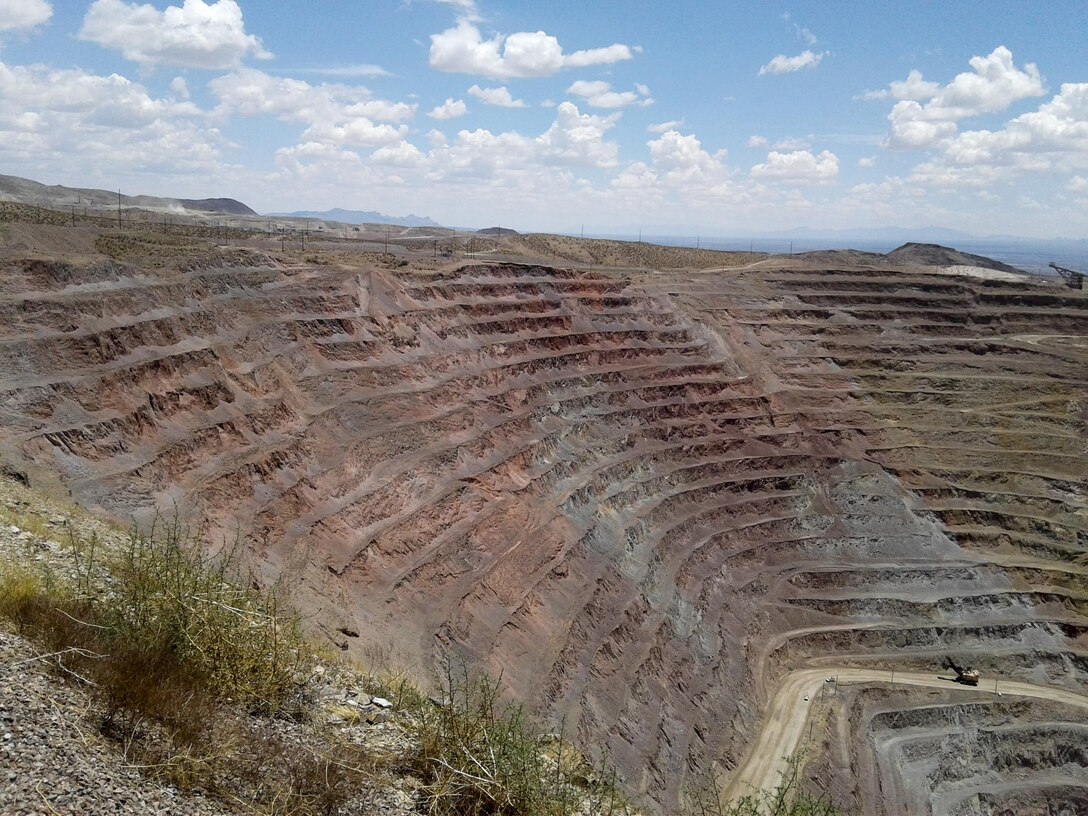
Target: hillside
x,y
936,255
647,494
56,196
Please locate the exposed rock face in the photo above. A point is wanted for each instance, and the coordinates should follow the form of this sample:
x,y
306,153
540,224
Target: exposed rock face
x,y
641,501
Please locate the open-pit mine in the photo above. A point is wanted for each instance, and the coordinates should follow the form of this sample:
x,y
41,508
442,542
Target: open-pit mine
x,y
706,510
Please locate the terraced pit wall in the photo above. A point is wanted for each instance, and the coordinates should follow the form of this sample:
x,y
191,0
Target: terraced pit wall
x,y
641,501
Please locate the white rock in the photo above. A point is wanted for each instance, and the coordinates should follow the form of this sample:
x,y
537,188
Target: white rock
x,y
381,702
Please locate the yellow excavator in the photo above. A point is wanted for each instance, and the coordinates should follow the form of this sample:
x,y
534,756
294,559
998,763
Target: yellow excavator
x,y
969,677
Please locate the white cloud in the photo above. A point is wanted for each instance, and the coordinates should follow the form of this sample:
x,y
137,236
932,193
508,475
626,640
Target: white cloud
x,y
335,114
914,87
599,94
499,97
450,109
358,132
195,35
788,65
463,50
994,85
1050,139
791,143
757,141
1078,184
578,138
663,127
678,165
72,121
20,15
179,87
402,154
867,161
799,166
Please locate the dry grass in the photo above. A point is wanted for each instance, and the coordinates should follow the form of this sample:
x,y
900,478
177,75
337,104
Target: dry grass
x,y
179,654
480,757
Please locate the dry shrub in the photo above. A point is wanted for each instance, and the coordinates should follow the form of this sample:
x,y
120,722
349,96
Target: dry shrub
x,y
178,652
479,756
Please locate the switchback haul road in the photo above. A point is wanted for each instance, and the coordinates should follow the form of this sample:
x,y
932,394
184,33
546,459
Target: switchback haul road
x,y
787,716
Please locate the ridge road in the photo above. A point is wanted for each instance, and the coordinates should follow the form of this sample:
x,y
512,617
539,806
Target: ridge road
x,y
785,719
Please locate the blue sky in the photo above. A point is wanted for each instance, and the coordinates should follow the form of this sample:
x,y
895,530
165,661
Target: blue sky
x,y
719,118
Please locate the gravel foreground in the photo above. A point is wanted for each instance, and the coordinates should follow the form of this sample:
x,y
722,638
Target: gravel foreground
x,y
55,762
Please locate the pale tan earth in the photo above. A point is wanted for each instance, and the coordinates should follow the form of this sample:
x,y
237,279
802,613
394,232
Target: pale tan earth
x,y
644,485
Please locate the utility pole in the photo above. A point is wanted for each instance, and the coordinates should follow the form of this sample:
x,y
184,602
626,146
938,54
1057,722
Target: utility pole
x,y
118,208
73,215
583,231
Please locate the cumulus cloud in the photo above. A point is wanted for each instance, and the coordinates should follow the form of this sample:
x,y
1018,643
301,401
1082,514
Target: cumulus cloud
x,y
463,50
598,94
69,120
663,127
757,141
194,35
1078,184
788,65
914,87
179,87
450,109
499,97
867,161
578,138
798,167
994,84
791,143
678,164
335,114
21,15
1051,139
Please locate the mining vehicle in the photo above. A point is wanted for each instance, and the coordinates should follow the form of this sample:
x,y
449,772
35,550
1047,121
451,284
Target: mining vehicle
x,y
1073,279
969,677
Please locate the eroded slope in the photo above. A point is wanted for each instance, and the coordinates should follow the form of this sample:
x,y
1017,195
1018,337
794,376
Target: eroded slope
x,y
642,502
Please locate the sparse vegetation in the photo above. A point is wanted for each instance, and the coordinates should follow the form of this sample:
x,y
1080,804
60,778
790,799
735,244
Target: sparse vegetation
x,y
479,756
181,653
178,651
789,798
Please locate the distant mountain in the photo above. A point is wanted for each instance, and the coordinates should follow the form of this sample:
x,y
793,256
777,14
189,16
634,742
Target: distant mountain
x,y
27,191
870,234
361,217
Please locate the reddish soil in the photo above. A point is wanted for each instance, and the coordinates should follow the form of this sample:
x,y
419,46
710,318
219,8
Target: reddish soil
x,y
641,498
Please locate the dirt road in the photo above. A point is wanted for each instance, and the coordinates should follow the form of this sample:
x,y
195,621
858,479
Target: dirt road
x,y
787,716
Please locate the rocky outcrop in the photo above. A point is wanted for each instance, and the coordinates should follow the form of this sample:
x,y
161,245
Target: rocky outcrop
x,y
639,501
